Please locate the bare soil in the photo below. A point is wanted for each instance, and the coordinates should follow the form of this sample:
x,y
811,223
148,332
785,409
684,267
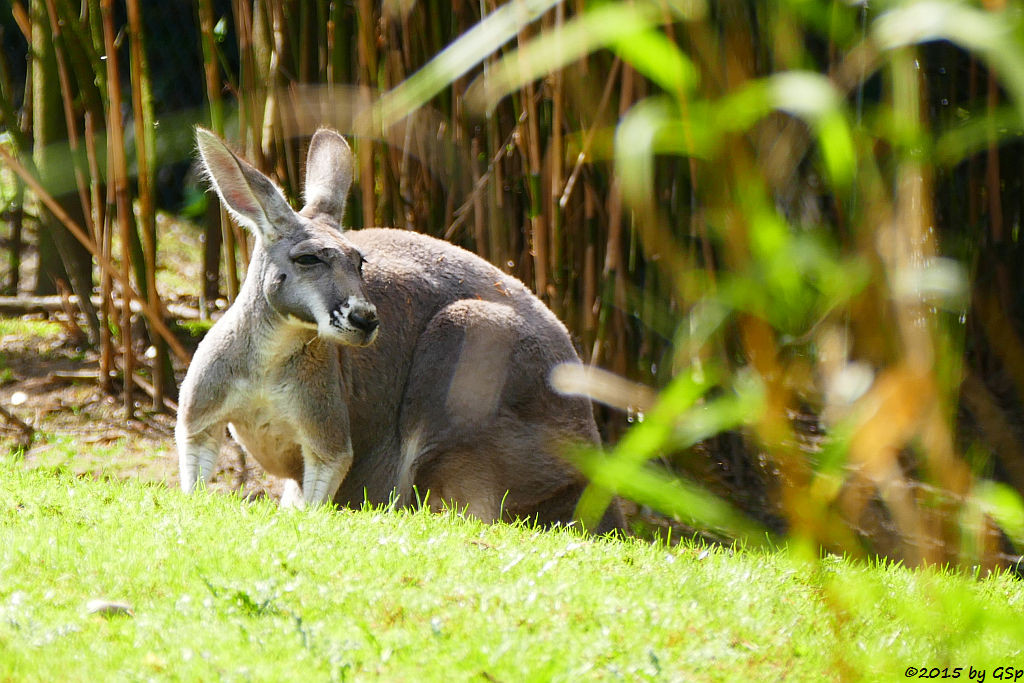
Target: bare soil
x,y
48,383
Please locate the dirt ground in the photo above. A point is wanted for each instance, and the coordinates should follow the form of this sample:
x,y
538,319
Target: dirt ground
x,y
48,383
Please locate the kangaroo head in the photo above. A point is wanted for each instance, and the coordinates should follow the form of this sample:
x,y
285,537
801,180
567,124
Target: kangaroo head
x,y
308,271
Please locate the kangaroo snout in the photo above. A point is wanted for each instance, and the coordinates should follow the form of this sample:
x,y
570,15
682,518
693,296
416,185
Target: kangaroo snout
x,y
356,321
364,319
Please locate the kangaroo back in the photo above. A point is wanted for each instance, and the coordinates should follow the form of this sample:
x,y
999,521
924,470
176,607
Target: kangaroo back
x,y
378,363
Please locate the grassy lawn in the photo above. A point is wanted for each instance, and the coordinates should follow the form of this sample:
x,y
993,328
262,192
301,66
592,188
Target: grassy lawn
x,y
222,589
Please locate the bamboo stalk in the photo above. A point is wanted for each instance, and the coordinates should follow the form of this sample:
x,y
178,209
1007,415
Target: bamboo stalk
x,y
145,145
79,274
994,193
9,119
104,262
118,171
501,251
529,145
102,223
561,272
589,303
84,53
67,100
479,218
14,249
217,222
331,54
366,41
271,104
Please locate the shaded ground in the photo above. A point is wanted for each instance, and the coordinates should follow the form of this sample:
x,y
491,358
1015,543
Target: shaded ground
x,y
46,382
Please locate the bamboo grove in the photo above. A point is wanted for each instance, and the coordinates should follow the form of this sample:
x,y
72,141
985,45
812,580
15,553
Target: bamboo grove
x,y
797,222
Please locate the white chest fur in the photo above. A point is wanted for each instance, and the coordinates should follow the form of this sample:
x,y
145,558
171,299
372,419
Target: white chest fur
x,y
263,414
263,423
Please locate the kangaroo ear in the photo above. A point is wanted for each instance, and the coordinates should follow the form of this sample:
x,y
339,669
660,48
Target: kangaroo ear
x,y
251,197
328,175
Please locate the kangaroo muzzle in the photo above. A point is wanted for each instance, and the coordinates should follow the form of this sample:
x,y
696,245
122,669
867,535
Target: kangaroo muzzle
x,y
357,321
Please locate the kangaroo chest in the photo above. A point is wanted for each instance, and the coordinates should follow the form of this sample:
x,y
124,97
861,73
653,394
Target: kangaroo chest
x,y
264,423
270,411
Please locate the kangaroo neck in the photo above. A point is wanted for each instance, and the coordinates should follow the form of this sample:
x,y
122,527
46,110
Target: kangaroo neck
x,y
272,335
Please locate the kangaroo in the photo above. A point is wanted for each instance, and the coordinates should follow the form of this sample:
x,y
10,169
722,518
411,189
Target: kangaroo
x,y
379,364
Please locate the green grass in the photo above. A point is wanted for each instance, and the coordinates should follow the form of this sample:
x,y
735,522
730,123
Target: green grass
x,y
196,328
221,589
180,257
114,457
22,333
29,329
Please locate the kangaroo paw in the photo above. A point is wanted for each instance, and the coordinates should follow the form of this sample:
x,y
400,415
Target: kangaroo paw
x,y
320,480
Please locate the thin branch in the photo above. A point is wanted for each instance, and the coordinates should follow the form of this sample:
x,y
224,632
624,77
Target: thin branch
x,y
105,265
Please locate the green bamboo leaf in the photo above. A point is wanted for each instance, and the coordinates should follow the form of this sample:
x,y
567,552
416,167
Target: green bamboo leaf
x,y
651,53
670,495
493,31
813,98
625,28
992,35
1004,505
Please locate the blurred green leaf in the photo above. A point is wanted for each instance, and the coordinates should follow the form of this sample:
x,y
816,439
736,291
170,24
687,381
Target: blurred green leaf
x,y
722,413
993,35
671,495
485,38
643,442
655,56
705,319
655,126
803,93
742,108
976,133
839,21
625,27
837,149
1004,505
813,98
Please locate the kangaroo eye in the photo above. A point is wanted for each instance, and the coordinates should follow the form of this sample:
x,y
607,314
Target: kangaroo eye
x,y
307,260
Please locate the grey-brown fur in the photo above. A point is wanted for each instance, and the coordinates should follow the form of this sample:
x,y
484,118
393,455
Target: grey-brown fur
x,y
399,364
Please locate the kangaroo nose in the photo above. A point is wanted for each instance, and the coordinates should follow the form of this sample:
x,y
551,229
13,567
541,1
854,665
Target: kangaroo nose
x,y
364,318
